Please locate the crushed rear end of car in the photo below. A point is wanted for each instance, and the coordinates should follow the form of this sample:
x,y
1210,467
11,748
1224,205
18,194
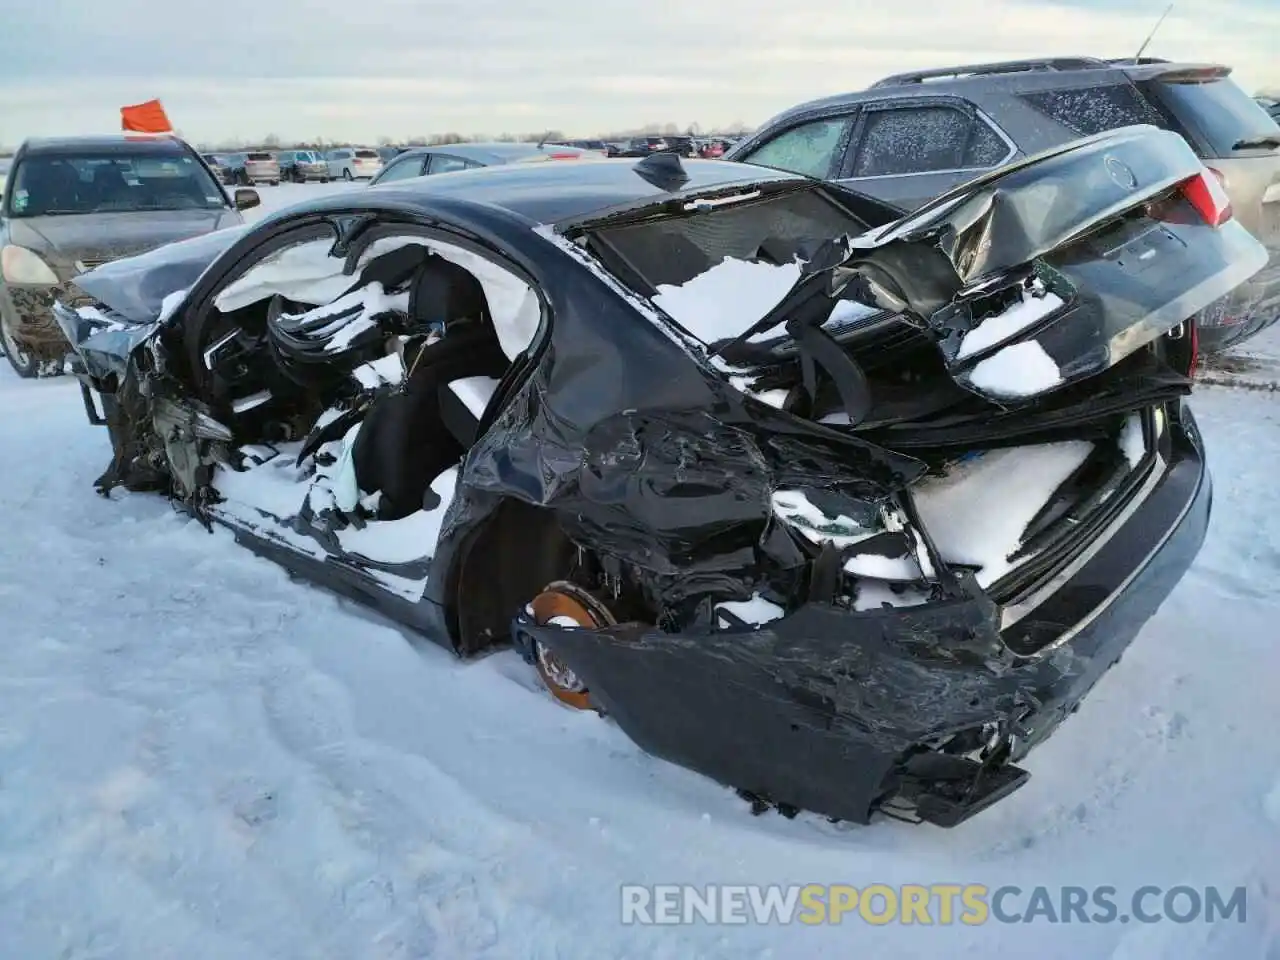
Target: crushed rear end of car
x,y
966,478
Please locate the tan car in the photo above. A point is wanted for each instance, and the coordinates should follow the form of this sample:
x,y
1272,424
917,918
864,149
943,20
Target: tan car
x,y
72,204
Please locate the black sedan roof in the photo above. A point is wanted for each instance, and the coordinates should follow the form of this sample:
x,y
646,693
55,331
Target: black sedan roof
x,y
548,193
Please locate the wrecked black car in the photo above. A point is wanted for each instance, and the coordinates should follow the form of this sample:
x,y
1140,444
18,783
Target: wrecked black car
x,y
844,510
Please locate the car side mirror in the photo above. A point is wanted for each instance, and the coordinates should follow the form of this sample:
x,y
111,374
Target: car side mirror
x,y
246,199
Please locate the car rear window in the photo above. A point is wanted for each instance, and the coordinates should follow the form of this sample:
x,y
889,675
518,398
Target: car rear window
x,y
259,156
367,154
1218,110
674,250
1094,109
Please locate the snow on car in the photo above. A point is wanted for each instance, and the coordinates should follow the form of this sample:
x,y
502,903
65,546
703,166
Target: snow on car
x,y
831,557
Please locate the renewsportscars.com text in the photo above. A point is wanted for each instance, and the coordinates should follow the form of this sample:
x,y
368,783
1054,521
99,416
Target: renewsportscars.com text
x,y
927,904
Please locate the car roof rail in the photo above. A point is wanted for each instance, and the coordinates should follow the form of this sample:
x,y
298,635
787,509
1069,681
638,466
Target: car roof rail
x,y
990,69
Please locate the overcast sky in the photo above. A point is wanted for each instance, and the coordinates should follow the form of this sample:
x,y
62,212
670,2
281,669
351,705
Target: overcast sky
x,y
360,69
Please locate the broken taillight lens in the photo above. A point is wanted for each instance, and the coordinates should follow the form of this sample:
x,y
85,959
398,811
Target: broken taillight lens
x,y
1205,192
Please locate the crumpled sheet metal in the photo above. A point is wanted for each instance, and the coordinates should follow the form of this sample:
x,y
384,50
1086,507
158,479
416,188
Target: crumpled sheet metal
x,y
817,711
1022,211
646,456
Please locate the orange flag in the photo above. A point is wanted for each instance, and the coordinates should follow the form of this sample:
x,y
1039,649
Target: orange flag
x,y
146,117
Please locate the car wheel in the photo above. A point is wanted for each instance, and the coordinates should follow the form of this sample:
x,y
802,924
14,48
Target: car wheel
x,y
275,183
24,362
346,175
566,604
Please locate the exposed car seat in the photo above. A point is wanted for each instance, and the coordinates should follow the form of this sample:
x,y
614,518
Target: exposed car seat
x,y
405,441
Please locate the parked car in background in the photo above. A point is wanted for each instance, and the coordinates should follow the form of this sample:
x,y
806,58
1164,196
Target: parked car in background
x,y
231,168
353,163
643,146
681,145
73,204
220,167
931,492
1270,105
452,157
301,166
260,166
912,136
590,146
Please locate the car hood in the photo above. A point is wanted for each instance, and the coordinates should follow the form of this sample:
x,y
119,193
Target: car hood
x,y
66,240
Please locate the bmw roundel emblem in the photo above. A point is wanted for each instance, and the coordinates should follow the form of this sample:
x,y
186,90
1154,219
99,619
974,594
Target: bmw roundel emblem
x,y
1120,172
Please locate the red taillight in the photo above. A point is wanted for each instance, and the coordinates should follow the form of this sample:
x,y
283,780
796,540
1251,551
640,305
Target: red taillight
x,y
562,156
1206,193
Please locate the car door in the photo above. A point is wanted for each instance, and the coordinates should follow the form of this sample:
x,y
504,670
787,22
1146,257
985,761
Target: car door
x,y
907,152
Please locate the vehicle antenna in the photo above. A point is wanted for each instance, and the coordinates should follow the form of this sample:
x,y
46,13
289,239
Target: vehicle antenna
x,y
1137,57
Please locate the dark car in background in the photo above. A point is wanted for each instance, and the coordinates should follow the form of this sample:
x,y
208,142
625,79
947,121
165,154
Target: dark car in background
x,y
591,146
221,167
452,157
855,547
643,146
72,204
912,136
303,166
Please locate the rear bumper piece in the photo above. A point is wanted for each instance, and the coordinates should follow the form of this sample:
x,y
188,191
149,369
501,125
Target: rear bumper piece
x,y
841,713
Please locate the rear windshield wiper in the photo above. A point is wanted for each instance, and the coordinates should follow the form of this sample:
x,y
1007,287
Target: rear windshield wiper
x,y
1266,140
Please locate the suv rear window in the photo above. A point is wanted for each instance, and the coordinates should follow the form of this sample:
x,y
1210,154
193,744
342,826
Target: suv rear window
x,y
258,156
1218,110
1090,110
367,154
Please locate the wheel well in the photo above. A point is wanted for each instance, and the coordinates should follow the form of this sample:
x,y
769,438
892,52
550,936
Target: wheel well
x,y
505,564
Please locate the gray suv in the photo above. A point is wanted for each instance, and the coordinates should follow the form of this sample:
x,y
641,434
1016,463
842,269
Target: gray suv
x,y
912,136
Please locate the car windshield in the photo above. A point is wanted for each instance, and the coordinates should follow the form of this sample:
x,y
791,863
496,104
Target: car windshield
x,y
111,183
305,156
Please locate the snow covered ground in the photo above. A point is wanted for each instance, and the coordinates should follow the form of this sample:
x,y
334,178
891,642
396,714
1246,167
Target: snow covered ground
x,y
202,759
